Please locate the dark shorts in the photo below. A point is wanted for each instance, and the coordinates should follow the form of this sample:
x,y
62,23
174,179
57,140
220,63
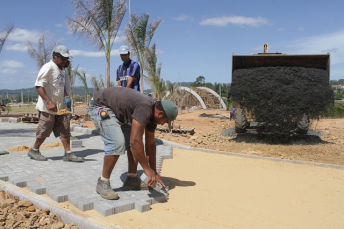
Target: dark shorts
x,y
48,123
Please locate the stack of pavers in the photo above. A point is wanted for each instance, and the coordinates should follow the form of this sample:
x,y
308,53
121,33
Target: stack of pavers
x,y
30,118
73,182
181,130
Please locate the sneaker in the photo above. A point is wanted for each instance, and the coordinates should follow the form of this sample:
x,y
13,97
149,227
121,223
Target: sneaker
x,y
71,157
134,183
104,189
36,155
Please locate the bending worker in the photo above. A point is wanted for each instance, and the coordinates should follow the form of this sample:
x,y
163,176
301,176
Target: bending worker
x,y
112,108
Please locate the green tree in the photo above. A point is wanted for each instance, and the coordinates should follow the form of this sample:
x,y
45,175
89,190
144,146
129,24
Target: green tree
x,y
200,81
139,36
153,71
4,35
98,84
72,75
83,79
42,54
98,22
173,88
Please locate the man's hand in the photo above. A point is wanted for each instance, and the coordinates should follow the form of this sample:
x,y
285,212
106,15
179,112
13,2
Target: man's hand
x,y
158,178
152,176
52,107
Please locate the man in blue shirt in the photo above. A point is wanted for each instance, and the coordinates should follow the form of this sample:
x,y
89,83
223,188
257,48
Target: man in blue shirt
x,y
128,73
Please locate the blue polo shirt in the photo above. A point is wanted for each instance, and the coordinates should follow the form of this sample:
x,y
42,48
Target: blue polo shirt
x,y
126,70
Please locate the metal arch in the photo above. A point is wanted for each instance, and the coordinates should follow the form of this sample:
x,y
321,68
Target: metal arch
x,y
196,95
193,93
215,94
166,95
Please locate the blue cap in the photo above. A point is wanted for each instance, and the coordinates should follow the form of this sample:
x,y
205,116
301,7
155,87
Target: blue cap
x,y
123,49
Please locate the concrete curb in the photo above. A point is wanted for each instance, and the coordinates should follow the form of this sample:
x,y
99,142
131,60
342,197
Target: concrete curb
x,y
180,146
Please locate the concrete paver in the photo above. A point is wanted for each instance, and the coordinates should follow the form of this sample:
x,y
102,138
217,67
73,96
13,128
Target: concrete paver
x,y
73,182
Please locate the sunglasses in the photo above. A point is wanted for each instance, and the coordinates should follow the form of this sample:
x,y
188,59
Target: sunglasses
x,y
62,57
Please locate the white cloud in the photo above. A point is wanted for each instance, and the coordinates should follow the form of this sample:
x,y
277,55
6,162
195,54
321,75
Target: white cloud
x,y
75,52
59,25
183,17
24,35
333,43
120,39
280,29
300,29
11,64
8,71
236,20
159,51
16,47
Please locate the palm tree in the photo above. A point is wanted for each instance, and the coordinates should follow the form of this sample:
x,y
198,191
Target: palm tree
x,y
139,35
42,55
156,83
98,22
72,75
98,84
83,79
3,36
173,89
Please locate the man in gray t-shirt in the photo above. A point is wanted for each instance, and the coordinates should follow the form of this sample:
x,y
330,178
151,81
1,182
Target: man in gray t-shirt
x,y
122,116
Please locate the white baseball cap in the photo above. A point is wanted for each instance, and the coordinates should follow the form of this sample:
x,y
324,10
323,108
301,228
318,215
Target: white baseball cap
x,y
63,50
123,49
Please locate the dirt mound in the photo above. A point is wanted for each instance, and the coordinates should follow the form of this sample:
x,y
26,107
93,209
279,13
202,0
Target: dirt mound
x,y
16,213
53,145
19,149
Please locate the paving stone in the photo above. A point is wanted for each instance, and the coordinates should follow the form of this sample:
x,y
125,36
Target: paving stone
x,y
73,182
4,119
142,206
76,144
14,120
36,187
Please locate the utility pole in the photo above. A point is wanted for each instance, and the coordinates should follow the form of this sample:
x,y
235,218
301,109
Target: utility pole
x,y
180,92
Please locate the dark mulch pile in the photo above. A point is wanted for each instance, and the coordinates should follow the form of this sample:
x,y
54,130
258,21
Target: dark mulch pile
x,y
280,95
213,116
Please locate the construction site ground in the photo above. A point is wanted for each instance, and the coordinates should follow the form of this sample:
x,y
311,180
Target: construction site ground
x,y
232,181
324,144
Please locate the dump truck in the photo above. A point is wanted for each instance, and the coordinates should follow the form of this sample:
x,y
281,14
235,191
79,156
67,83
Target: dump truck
x,y
279,93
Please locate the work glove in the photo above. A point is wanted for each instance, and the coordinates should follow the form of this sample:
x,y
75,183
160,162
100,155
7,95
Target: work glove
x,y
68,102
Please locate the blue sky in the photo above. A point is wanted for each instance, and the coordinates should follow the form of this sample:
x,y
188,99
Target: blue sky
x,y
196,37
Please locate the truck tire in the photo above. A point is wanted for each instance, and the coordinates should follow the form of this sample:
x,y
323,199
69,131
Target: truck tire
x,y
240,120
302,125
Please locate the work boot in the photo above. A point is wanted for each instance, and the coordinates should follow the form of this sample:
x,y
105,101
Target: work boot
x,y
71,157
73,138
104,189
134,183
36,155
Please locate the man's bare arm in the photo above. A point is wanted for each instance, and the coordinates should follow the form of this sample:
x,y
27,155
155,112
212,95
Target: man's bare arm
x,y
41,91
130,82
138,151
151,154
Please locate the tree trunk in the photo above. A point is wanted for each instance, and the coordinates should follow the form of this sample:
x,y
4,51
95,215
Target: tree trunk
x,y
107,67
141,84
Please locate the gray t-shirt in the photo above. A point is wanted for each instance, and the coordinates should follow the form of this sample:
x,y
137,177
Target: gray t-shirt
x,y
128,104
